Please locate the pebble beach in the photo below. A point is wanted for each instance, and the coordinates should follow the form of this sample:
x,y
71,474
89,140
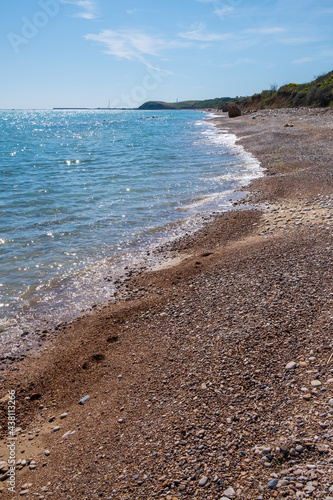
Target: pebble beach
x,y
211,375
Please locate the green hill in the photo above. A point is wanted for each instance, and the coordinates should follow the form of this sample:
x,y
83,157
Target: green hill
x,y
318,93
208,103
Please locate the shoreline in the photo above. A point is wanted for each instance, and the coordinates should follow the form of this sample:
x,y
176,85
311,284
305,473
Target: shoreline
x,y
41,315
213,376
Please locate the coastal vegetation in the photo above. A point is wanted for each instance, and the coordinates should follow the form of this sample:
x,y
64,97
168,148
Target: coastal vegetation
x,y
206,104
317,93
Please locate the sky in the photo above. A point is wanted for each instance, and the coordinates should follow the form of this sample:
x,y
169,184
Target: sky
x,y
96,53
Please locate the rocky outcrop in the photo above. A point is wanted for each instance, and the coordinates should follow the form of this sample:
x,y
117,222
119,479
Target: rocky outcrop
x,y
233,110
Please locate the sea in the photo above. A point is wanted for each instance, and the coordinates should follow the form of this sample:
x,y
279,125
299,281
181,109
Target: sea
x,y
86,194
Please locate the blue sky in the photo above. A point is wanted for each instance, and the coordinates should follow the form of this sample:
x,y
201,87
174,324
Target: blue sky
x,y
83,53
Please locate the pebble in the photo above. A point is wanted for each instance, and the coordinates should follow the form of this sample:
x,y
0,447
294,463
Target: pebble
x,y
84,400
68,433
272,484
26,486
203,481
230,492
46,453
315,383
63,415
56,428
291,366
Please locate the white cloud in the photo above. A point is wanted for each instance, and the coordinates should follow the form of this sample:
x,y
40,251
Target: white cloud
x,y
133,45
238,62
266,31
225,10
298,40
88,8
303,60
198,34
126,44
131,11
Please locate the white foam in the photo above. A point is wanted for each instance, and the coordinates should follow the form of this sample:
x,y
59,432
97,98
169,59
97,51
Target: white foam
x,y
249,167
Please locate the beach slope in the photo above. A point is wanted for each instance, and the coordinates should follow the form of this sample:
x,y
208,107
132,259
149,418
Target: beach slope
x,y
212,376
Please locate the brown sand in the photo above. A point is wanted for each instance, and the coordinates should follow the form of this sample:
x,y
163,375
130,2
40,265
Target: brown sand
x,y
189,391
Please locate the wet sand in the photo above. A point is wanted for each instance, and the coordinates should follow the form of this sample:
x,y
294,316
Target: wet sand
x,y
211,375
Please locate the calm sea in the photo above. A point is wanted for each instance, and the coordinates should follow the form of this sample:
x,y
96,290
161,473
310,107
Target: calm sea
x,y
82,193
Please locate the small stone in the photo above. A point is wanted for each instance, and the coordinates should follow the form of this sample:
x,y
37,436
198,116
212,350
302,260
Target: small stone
x,y
307,396
26,486
46,453
230,492
315,383
291,366
203,481
51,419
299,448
35,396
67,434
63,415
266,450
322,448
309,489
56,428
203,386
24,492
330,402
272,484
84,400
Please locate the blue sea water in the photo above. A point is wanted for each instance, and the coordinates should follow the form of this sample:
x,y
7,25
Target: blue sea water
x,y
81,190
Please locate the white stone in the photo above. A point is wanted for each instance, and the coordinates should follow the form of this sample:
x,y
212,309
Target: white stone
x,y
230,492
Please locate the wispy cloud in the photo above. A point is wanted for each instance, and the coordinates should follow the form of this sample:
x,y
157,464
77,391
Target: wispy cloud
x,y
224,10
303,60
266,30
198,33
131,11
238,62
88,8
298,40
133,45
